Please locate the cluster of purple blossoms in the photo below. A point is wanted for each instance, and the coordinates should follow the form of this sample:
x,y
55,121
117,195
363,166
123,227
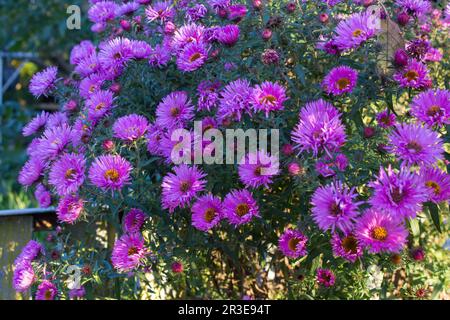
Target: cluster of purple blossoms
x,y
292,243
334,207
110,172
257,169
432,107
320,128
340,80
354,31
180,187
399,193
415,145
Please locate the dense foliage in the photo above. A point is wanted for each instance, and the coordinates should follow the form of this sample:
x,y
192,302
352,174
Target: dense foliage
x,y
354,211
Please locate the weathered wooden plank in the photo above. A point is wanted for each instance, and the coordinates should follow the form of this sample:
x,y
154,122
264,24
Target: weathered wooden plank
x,y
15,232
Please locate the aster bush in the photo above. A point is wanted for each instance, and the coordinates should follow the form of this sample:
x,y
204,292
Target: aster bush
x,y
359,95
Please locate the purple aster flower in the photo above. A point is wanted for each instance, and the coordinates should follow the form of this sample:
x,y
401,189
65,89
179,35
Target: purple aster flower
x,y
115,53
88,65
102,11
23,276
400,194
257,169
188,34
208,94
239,207
174,111
161,11
53,142
354,31
35,124
386,119
56,119
91,84
206,212
340,80
219,4
346,247
432,107
196,12
268,97
192,57
320,128
418,48
31,171
413,75
154,137
43,196
292,243
235,100
134,220
130,128
69,209
46,291
81,51
380,232
228,35
236,12
325,277
415,7
160,56
415,145
31,251
433,55
438,184
67,173
175,147
126,8
179,188
110,172
99,105
140,49
43,82
334,206
128,252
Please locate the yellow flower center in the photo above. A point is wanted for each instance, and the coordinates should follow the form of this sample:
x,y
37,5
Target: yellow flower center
x,y
379,233
435,186
292,244
258,171
433,110
70,173
48,295
195,57
210,214
242,209
350,244
132,250
174,111
411,75
357,33
112,174
343,83
271,99
100,106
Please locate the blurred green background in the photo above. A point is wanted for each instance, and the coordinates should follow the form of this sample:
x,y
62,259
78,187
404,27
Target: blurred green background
x,y
37,27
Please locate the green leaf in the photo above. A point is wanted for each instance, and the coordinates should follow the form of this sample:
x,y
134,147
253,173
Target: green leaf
x,y
434,214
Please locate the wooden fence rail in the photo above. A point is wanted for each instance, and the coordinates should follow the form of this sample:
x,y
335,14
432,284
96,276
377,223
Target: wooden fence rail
x,y
16,229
